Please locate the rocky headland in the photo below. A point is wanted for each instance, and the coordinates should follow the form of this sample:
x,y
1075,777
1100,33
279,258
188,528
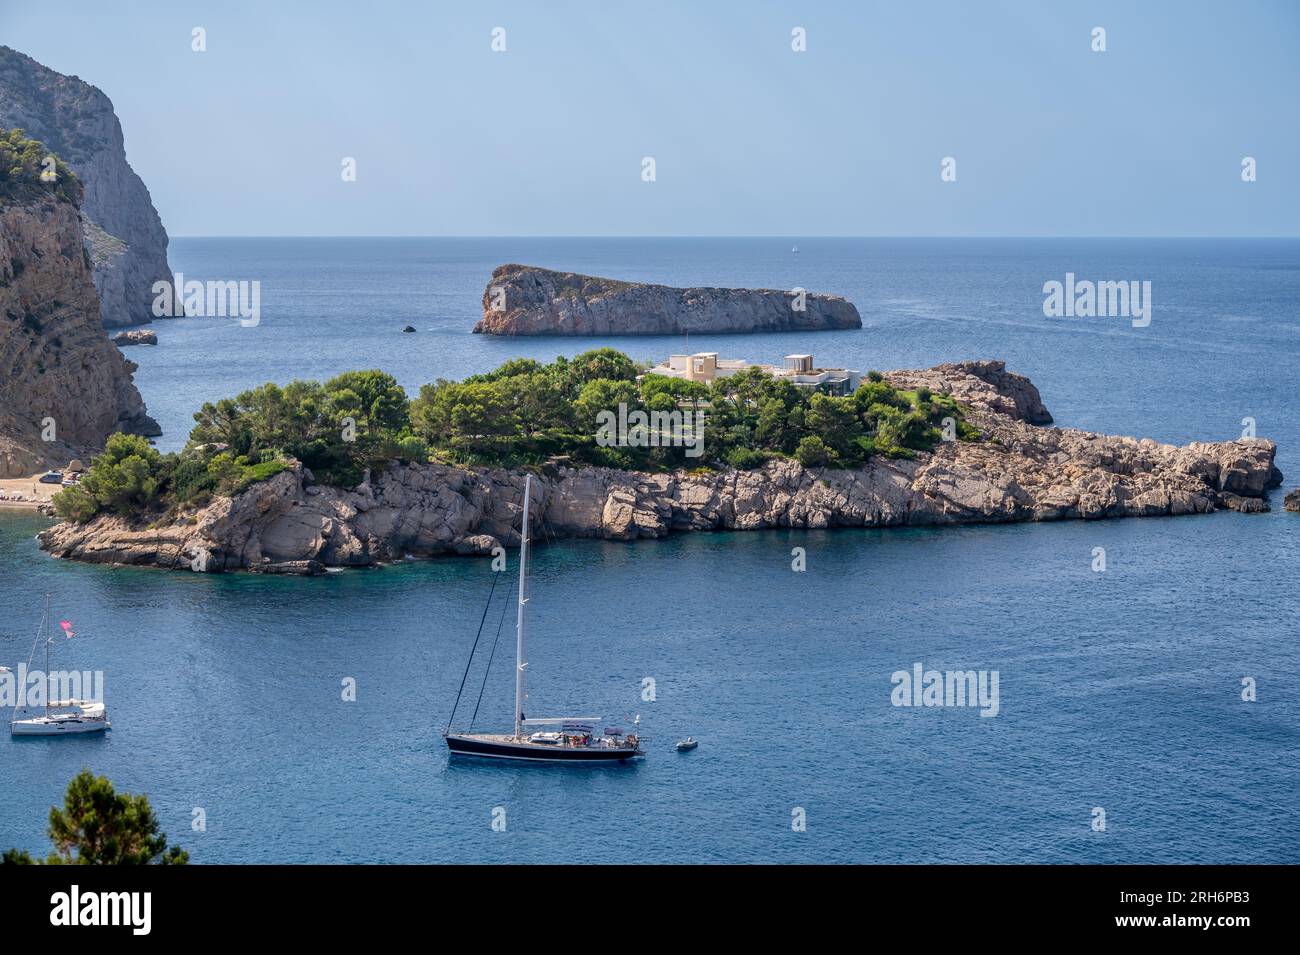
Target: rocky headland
x,y
1018,470
121,229
64,387
525,300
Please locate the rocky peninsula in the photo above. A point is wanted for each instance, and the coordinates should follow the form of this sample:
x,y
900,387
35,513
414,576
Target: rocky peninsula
x,y
526,300
1019,469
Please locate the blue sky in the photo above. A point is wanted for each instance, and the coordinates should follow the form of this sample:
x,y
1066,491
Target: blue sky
x,y
749,137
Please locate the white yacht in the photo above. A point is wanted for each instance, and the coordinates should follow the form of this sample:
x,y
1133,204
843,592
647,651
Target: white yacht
x,y
60,717
63,717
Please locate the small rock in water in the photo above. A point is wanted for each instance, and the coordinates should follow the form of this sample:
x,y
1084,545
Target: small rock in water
x,y
1292,501
1244,505
142,337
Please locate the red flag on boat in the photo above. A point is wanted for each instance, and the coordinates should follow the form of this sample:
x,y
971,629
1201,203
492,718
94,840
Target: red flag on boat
x,y
67,629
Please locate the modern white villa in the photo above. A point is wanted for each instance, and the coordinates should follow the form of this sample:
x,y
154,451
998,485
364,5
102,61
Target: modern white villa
x,y
706,366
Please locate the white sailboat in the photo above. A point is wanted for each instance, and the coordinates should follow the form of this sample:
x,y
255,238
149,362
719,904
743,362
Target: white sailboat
x,y
60,717
568,739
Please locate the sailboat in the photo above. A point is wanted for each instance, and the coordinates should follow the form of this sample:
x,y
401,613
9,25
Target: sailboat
x,y
568,739
61,717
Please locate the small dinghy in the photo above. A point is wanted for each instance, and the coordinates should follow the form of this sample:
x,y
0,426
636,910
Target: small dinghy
x,y
688,744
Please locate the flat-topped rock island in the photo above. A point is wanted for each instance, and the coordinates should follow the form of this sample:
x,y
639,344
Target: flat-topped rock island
x,y
526,300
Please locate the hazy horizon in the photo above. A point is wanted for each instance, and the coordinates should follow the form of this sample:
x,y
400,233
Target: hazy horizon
x,y
790,236
750,137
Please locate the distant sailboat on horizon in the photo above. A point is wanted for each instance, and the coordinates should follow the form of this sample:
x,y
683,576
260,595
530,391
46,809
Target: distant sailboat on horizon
x,y
575,740
795,250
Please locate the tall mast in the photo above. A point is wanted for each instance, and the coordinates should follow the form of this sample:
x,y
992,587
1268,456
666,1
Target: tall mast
x,y
520,662
45,632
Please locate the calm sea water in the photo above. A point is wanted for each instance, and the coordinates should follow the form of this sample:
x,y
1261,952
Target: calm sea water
x,y
1119,690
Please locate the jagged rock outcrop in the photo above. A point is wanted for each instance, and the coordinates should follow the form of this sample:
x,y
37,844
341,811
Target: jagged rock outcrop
x,y
525,300
1016,472
60,376
122,230
1292,501
135,337
970,383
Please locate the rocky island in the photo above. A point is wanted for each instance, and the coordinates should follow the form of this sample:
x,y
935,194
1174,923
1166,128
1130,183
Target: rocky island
x,y
1006,465
526,300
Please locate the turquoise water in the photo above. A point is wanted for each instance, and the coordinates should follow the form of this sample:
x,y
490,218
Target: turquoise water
x,y
1118,690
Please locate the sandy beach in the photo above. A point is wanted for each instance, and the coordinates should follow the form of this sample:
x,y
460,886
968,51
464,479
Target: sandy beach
x,y
25,492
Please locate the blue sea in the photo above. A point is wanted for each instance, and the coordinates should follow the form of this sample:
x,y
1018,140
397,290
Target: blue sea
x,y
1120,690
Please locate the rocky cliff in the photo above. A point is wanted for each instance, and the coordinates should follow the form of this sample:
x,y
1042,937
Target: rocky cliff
x,y
523,300
63,386
1017,471
127,243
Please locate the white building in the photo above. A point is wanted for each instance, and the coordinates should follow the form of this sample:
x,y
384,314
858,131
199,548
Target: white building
x,y
706,367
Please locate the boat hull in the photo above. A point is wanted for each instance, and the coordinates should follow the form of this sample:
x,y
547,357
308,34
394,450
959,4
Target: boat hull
x,y
499,748
56,728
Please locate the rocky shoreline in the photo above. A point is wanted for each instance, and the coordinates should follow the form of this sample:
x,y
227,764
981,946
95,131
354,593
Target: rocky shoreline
x,y
1017,471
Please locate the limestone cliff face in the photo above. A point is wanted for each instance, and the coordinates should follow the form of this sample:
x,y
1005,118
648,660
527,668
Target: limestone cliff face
x,y
1016,472
524,300
55,361
126,239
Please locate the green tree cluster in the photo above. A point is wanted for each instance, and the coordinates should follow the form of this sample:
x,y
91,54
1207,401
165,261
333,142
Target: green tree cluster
x,y
337,429
355,420
127,476
522,413
99,826
26,173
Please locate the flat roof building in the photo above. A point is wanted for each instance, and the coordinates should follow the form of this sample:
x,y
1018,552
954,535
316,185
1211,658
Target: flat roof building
x,y
706,367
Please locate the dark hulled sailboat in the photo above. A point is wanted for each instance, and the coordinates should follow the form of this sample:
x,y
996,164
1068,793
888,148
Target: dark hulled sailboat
x,y
571,739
